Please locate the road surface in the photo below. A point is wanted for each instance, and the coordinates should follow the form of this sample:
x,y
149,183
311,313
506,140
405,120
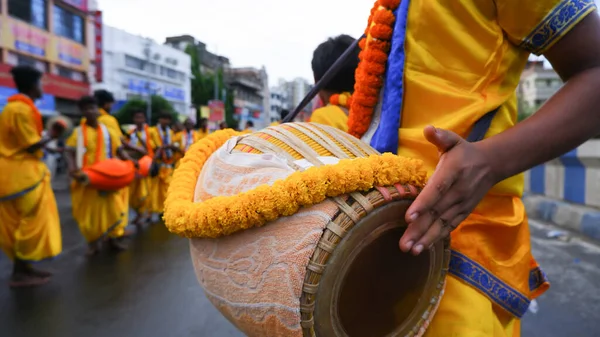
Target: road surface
x,y
151,291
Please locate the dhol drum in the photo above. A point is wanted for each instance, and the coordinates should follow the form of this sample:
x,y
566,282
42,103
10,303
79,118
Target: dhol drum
x,y
295,232
109,175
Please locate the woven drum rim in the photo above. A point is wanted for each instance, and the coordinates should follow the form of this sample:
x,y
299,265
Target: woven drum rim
x,y
350,212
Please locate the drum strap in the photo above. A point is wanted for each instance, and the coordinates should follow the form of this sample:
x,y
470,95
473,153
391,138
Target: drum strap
x,y
482,126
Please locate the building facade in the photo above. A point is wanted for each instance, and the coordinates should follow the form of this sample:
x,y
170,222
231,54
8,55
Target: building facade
x,y
135,67
292,93
251,91
279,102
537,84
52,36
210,63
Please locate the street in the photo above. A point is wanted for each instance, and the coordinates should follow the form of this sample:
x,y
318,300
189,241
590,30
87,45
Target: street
x,y
151,290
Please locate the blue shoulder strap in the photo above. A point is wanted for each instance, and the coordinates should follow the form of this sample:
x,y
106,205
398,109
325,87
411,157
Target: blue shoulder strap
x,y
482,126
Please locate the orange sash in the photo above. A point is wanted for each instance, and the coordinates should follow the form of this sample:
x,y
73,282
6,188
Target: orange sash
x,y
37,116
99,142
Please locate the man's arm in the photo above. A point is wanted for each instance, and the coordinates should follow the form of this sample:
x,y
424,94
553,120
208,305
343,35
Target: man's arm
x,y
569,118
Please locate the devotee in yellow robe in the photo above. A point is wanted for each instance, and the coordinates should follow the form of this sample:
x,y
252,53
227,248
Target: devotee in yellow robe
x,y
338,92
162,137
106,100
99,214
140,142
29,221
454,62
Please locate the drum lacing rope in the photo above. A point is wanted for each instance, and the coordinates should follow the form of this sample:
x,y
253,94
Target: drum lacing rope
x,y
295,143
350,142
346,209
320,138
266,147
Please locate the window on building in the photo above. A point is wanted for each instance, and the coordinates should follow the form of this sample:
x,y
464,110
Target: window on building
x,y
134,62
31,11
70,74
15,59
68,24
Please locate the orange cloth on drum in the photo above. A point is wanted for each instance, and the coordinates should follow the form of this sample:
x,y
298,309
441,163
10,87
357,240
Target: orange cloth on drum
x,y
467,61
96,212
331,115
30,225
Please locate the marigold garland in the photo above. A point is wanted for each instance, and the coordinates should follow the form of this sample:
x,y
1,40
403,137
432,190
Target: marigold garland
x,y
344,99
225,215
371,68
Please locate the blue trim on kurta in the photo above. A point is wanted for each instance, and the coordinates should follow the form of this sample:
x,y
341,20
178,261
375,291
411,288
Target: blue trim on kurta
x,y
497,290
560,20
22,192
385,138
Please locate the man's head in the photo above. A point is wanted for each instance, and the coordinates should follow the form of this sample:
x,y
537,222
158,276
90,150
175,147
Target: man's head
x,y
223,125
189,124
89,108
165,119
105,99
203,123
28,81
249,124
139,118
325,56
284,114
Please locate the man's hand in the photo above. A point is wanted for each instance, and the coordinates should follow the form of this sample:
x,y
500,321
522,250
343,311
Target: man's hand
x,y
76,174
461,179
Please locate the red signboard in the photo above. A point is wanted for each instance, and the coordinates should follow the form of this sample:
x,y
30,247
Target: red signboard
x,y
79,4
99,46
217,111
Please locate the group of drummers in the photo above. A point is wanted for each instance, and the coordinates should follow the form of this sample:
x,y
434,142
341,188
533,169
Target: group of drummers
x,y
30,230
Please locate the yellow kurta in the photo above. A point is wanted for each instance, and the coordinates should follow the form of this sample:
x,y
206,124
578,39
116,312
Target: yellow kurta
x,y
30,225
139,190
97,211
160,184
465,61
331,115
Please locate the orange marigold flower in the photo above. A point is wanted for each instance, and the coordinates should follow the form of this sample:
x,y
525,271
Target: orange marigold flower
x,y
385,17
390,4
381,32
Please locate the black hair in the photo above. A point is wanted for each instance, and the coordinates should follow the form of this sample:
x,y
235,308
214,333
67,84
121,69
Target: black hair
x,y
165,115
284,113
250,124
325,56
135,112
86,101
25,77
103,97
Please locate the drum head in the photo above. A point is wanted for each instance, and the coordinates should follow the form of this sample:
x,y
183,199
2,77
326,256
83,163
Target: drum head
x,y
370,288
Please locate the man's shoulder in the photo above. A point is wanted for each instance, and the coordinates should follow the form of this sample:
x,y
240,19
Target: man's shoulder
x,y
16,108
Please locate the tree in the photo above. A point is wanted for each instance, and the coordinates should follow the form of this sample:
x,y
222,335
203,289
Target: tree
x,y
159,105
203,87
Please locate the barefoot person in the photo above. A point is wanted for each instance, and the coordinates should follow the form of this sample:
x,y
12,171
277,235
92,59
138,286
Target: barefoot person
x,y
450,65
98,213
140,142
338,92
29,222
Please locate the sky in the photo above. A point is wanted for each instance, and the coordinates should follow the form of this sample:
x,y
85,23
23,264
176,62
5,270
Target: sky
x,y
279,34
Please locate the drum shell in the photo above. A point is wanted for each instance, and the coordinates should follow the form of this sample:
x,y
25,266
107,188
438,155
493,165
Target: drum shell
x,y
283,266
110,175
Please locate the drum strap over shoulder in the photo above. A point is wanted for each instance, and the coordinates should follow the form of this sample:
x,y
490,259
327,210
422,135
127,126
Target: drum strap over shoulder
x,y
482,126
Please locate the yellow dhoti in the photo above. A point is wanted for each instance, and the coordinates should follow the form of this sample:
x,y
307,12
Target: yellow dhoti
x,y
30,225
159,188
139,192
98,212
